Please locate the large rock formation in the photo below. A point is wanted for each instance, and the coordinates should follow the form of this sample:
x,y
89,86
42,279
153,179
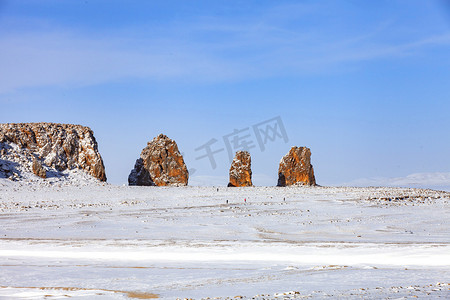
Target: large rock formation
x,y
42,147
241,170
160,164
295,168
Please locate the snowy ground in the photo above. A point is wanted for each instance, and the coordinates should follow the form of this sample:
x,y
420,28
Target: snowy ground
x,y
117,242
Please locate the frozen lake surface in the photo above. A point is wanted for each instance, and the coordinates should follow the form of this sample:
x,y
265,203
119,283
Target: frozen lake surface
x,y
117,242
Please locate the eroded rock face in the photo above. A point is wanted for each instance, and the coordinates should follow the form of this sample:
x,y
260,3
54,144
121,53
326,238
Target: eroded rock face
x,y
38,170
295,168
51,146
241,170
160,164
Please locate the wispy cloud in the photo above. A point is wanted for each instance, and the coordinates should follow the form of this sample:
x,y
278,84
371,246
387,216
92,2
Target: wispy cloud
x,y
204,49
40,59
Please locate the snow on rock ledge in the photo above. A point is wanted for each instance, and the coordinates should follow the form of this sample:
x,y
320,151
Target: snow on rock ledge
x,y
48,150
160,164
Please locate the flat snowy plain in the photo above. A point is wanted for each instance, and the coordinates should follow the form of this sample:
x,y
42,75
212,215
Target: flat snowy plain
x,y
119,242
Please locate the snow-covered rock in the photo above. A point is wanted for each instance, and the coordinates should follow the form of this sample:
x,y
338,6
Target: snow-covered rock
x,y
160,164
296,168
47,150
241,170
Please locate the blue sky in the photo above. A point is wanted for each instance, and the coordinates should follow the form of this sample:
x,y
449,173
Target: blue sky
x,y
364,84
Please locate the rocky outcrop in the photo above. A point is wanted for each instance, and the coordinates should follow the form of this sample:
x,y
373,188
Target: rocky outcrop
x,y
38,147
295,168
38,170
160,164
241,170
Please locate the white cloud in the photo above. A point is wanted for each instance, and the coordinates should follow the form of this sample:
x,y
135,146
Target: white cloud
x,y
205,49
40,59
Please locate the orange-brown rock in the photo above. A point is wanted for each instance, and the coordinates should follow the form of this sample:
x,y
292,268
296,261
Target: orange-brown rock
x,y
38,169
241,170
295,168
160,164
55,146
